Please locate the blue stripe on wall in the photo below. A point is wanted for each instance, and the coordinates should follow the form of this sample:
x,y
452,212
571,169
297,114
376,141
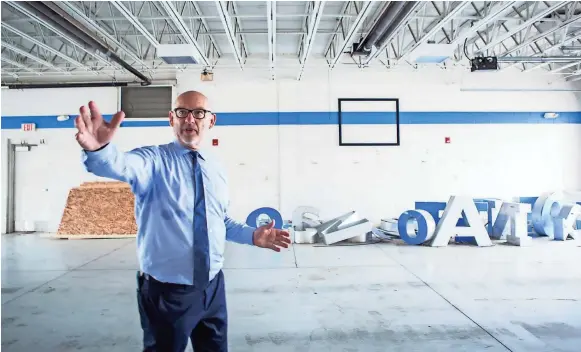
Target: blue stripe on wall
x,y
328,118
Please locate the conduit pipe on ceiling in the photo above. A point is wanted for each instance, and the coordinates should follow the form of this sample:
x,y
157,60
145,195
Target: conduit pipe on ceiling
x,y
539,59
384,27
382,24
58,18
65,85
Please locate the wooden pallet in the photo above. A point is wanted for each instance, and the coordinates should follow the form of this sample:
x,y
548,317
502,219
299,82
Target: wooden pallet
x,y
99,210
91,236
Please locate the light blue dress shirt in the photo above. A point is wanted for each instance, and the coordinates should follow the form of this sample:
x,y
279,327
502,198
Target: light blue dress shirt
x,y
161,177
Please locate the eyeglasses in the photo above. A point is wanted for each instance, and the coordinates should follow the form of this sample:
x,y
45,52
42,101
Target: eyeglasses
x,y
196,113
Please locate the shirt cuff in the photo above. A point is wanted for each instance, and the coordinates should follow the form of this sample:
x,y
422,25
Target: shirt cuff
x,y
248,235
98,154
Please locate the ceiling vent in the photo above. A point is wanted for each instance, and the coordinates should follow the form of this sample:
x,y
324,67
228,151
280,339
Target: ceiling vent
x,y
431,53
177,54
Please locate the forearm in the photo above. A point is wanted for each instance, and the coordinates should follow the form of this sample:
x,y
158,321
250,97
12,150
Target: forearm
x,y
134,167
239,232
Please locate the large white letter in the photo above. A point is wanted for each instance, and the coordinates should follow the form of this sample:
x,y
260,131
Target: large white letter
x,y
299,218
447,226
541,216
564,219
511,223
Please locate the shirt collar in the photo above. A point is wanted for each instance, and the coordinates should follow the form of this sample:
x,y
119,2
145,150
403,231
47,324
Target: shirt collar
x,y
183,150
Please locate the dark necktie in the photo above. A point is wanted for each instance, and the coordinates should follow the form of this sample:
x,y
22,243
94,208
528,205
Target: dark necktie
x,y
201,242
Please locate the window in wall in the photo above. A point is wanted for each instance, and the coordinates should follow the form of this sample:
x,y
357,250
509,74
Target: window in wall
x,y
146,102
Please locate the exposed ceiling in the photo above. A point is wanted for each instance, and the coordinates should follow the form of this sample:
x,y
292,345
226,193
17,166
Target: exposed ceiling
x,y
301,35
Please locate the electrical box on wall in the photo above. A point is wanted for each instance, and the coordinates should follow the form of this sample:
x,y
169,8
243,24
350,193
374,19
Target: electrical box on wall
x,y
206,76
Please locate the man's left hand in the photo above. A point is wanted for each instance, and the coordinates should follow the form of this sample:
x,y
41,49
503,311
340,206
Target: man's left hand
x,y
267,236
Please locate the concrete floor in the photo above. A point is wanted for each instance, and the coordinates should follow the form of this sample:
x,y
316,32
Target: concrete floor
x,y
64,295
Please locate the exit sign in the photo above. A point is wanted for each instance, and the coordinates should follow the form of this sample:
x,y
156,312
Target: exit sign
x,y
28,126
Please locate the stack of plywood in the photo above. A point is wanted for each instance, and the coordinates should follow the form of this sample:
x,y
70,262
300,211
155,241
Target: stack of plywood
x,y
99,210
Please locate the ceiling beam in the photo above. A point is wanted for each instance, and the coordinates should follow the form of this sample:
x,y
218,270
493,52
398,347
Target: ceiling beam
x,y
135,22
460,5
93,25
402,25
361,16
271,24
63,36
46,47
543,35
19,65
574,76
205,23
561,68
238,23
483,22
546,50
522,26
19,51
222,8
184,30
314,20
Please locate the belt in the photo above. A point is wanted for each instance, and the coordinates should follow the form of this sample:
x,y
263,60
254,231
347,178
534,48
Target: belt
x,y
148,277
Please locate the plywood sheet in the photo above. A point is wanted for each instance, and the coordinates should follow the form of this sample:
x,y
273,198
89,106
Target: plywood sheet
x,y
99,208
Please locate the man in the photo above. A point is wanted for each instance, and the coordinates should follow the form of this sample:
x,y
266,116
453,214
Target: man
x,y
181,209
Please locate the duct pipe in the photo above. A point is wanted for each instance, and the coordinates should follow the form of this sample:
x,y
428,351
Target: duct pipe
x,y
67,24
395,24
539,59
381,26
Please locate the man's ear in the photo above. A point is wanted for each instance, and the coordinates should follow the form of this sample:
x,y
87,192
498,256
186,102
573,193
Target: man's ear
x,y
212,121
170,118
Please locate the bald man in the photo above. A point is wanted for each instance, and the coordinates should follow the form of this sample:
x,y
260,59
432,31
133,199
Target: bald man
x,y
181,209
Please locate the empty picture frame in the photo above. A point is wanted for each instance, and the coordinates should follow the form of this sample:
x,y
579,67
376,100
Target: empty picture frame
x,y
369,122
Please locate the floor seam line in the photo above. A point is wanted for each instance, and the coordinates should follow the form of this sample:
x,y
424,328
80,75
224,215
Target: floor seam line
x,y
101,256
58,277
450,303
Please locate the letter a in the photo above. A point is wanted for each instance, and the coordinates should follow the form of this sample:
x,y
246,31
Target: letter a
x,y
447,226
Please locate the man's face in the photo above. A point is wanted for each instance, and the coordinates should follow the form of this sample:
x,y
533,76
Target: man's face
x,y
191,126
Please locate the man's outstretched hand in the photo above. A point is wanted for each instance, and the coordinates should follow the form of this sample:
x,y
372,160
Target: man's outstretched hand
x,y
267,236
93,131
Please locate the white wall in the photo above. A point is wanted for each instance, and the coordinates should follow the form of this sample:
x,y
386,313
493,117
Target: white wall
x,y
290,165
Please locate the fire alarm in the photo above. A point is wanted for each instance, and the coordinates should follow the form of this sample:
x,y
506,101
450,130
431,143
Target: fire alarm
x,y
215,141
447,140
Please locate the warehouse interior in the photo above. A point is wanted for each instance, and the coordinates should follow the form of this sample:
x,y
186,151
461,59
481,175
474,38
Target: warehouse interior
x,y
350,123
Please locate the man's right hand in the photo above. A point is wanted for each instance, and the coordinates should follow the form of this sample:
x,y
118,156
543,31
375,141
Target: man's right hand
x,y
93,131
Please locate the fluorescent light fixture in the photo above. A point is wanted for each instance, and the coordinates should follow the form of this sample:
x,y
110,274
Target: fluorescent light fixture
x,y
431,59
62,118
177,54
551,115
430,53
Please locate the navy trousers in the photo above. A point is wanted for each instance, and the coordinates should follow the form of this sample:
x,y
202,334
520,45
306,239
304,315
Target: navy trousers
x,y
171,314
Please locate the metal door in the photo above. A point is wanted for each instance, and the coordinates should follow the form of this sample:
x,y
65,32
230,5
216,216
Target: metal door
x,y
31,196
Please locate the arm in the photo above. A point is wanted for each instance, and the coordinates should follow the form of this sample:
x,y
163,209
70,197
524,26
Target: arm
x,y
135,167
239,232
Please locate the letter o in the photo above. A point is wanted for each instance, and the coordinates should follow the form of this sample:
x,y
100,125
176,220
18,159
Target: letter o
x,y
426,226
